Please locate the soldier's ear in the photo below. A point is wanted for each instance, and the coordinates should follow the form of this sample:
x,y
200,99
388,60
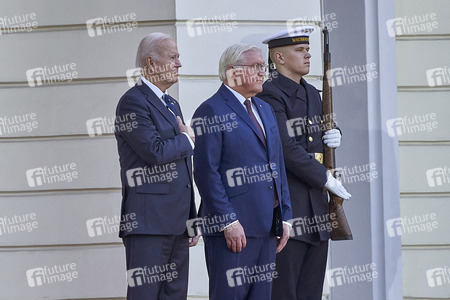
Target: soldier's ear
x,y
278,56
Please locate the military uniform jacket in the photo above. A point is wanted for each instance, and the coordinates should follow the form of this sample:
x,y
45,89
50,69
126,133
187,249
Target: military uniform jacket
x,y
299,117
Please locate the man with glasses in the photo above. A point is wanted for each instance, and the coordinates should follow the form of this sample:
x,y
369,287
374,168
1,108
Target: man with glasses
x,y
241,180
297,106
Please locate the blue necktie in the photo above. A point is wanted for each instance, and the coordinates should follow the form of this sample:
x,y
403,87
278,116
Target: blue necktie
x,y
170,105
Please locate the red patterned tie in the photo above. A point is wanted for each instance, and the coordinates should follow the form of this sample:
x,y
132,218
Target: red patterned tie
x,y
248,105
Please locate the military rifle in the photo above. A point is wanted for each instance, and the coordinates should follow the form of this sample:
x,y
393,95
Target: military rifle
x,y
340,229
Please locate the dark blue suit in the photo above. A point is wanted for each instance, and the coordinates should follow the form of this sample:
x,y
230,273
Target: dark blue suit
x,y
302,262
155,161
238,176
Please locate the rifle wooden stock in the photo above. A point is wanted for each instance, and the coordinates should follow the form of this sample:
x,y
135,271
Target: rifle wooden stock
x,y
340,229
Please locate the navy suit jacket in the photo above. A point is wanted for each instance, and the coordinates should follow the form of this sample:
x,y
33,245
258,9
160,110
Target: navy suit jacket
x,y
155,166
306,176
234,172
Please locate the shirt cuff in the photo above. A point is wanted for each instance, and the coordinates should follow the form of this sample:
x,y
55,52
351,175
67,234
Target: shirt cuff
x,y
229,225
190,140
288,224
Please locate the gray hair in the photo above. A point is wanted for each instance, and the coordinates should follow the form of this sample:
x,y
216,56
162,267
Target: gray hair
x,y
233,56
149,47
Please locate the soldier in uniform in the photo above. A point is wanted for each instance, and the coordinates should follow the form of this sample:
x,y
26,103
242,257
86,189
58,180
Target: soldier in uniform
x,y
297,105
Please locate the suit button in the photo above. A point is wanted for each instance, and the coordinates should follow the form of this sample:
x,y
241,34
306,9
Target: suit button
x,y
188,185
270,187
310,139
310,122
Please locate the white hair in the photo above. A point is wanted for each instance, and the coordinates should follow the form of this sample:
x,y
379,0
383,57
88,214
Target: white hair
x,y
233,56
149,47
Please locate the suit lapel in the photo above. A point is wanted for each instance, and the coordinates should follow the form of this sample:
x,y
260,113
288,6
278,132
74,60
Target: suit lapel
x,y
265,116
237,107
157,103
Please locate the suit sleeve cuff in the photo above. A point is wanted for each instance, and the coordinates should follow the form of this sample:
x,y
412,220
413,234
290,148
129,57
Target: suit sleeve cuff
x,y
229,225
190,140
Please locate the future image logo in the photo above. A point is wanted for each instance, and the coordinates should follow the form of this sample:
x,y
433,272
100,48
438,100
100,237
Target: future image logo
x,y
133,76
253,274
108,125
156,173
107,25
235,177
350,275
411,224
18,123
235,277
215,124
438,176
350,75
409,25
299,126
327,20
51,274
438,76
247,175
208,25
411,124
18,23
111,225
51,175
209,224
311,225
356,173
18,223
50,75
150,275
438,276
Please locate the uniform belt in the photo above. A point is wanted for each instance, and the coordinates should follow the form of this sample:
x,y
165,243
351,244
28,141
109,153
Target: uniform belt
x,y
317,156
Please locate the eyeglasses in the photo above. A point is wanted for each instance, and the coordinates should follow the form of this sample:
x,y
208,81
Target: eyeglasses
x,y
256,67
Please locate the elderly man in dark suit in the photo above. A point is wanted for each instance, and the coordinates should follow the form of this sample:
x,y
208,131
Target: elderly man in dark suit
x,y
156,173
297,105
240,174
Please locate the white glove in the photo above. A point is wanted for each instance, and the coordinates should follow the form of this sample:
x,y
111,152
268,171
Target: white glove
x,y
336,187
332,138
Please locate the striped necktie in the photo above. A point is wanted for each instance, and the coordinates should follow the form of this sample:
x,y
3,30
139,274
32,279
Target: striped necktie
x,y
170,105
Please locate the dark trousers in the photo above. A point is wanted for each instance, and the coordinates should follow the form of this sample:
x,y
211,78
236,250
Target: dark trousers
x,y
157,267
246,275
301,271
